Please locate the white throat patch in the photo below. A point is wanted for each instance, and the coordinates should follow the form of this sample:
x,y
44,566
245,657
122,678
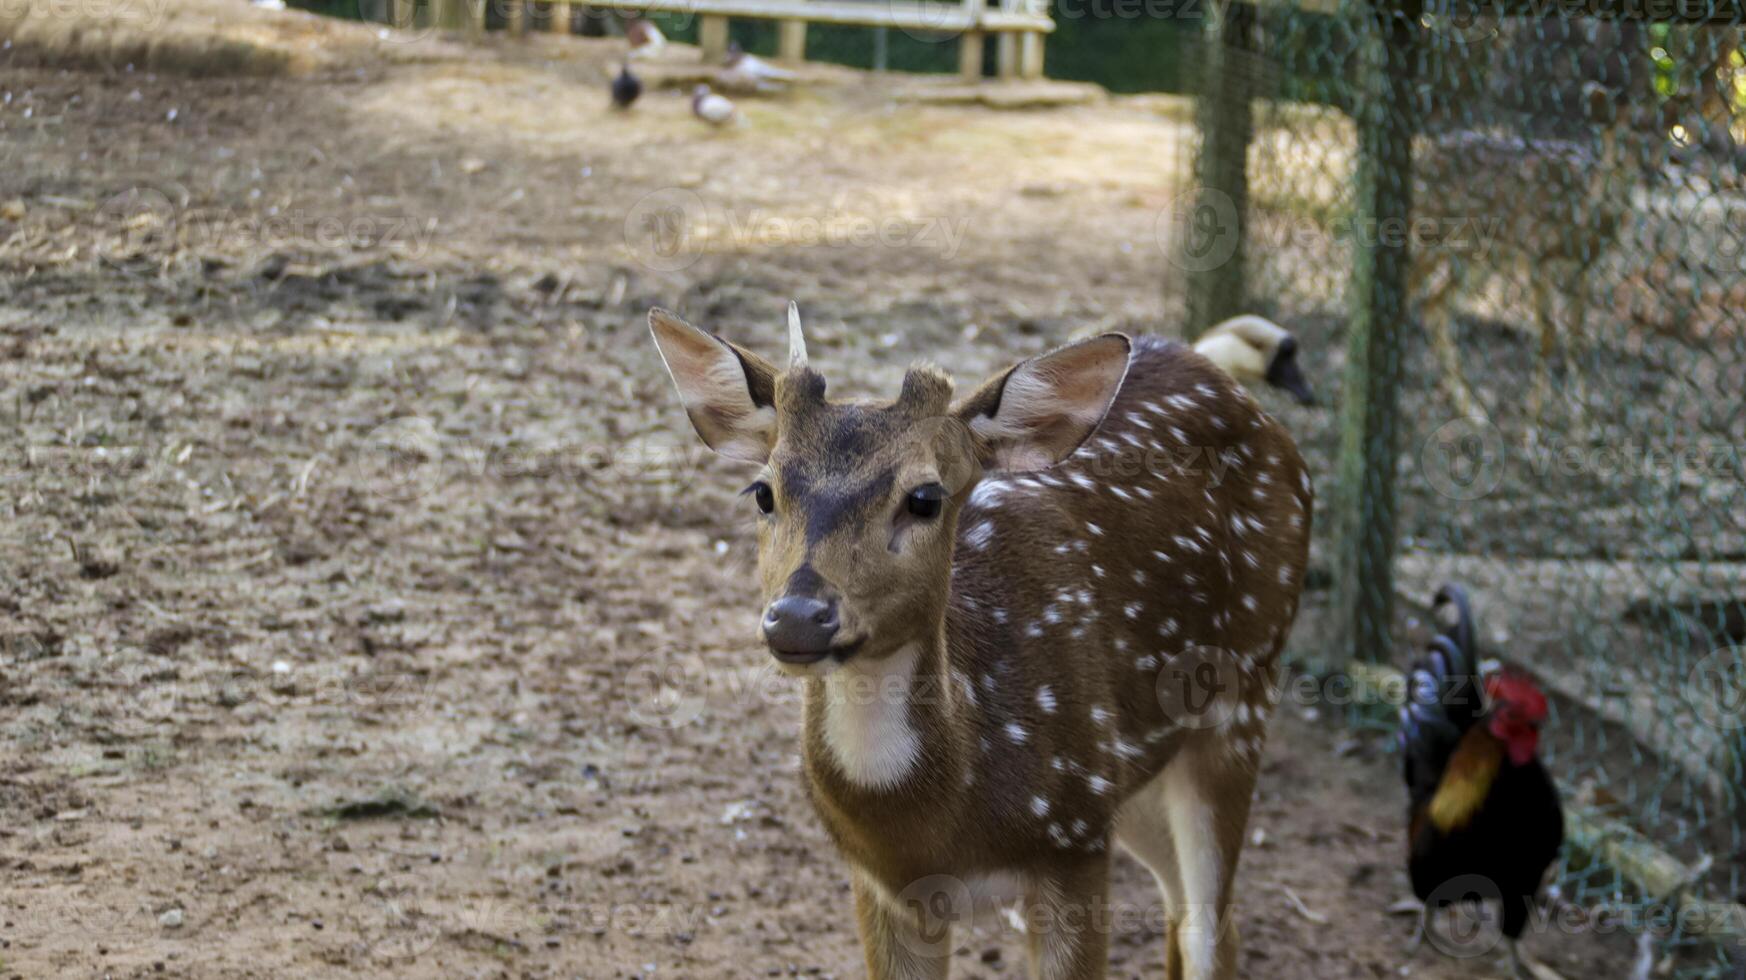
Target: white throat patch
x,y
866,719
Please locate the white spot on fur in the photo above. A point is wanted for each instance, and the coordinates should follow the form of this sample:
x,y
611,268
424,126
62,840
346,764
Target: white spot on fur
x,y
979,535
987,494
1039,806
1016,733
1046,699
1098,784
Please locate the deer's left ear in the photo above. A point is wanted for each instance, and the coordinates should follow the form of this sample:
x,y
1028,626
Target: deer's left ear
x,y
1036,414
728,391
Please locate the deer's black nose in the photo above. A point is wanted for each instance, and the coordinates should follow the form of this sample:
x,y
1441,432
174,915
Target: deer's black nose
x,y
799,628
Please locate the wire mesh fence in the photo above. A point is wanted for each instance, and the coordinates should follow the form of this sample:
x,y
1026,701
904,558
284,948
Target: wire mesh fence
x,y
1518,235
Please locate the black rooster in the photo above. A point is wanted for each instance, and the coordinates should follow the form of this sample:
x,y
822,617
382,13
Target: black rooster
x,y
1484,815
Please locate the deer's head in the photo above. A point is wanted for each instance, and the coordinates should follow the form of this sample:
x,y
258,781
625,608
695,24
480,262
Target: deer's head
x,y
857,501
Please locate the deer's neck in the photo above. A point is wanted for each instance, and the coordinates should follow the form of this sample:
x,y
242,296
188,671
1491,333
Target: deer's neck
x,y
878,726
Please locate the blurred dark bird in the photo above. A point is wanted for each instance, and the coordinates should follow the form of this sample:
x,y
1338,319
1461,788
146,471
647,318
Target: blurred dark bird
x,y
625,88
714,109
748,72
1484,816
645,39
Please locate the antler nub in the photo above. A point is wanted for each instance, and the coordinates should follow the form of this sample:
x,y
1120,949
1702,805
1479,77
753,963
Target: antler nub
x,y
796,339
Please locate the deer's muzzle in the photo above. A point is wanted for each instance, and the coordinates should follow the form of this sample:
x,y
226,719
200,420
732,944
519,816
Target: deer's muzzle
x,y
799,628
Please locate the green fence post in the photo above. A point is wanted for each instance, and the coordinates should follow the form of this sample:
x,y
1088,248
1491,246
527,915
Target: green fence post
x,y
1384,107
1224,113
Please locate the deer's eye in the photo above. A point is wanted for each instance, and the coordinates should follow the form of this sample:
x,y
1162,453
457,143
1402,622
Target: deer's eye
x,y
760,492
924,501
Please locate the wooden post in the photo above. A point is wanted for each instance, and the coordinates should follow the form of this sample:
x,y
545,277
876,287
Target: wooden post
x,y
712,37
1031,55
1386,116
452,15
517,16
1224,113
970,44
402,14
791,40
1031,45
558,20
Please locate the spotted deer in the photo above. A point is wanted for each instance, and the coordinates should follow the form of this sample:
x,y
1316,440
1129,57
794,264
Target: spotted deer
x,y
1028,623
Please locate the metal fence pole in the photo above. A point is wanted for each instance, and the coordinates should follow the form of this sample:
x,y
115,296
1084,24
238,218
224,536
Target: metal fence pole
x,y
1225,117
1370,423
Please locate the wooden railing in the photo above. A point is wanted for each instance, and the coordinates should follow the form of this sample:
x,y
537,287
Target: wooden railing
x,y
1018,26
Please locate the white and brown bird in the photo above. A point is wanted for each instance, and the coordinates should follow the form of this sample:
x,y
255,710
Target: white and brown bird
x,y
742,71
644,38
1254,350
717,110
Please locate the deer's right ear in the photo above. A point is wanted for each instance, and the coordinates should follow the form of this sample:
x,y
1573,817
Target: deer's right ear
x,y
1038,413
728,391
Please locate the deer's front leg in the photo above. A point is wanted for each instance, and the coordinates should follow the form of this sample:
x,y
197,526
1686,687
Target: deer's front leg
x,y
1068,921
903,938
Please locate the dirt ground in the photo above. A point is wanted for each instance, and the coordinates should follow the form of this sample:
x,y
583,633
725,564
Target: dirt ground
x,y
367,608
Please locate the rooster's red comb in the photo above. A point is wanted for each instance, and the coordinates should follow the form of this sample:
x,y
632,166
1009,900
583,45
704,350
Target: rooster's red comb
x,y
1516,688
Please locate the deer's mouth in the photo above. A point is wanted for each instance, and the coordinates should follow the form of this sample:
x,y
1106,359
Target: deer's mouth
x,y
840,652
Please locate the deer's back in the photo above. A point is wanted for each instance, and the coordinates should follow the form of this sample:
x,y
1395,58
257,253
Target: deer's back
x,y
1136,594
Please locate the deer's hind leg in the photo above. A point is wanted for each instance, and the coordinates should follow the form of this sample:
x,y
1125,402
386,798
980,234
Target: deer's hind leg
x,y
1143,830
1207,790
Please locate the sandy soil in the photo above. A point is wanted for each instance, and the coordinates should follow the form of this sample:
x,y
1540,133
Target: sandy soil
x,y
369,610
